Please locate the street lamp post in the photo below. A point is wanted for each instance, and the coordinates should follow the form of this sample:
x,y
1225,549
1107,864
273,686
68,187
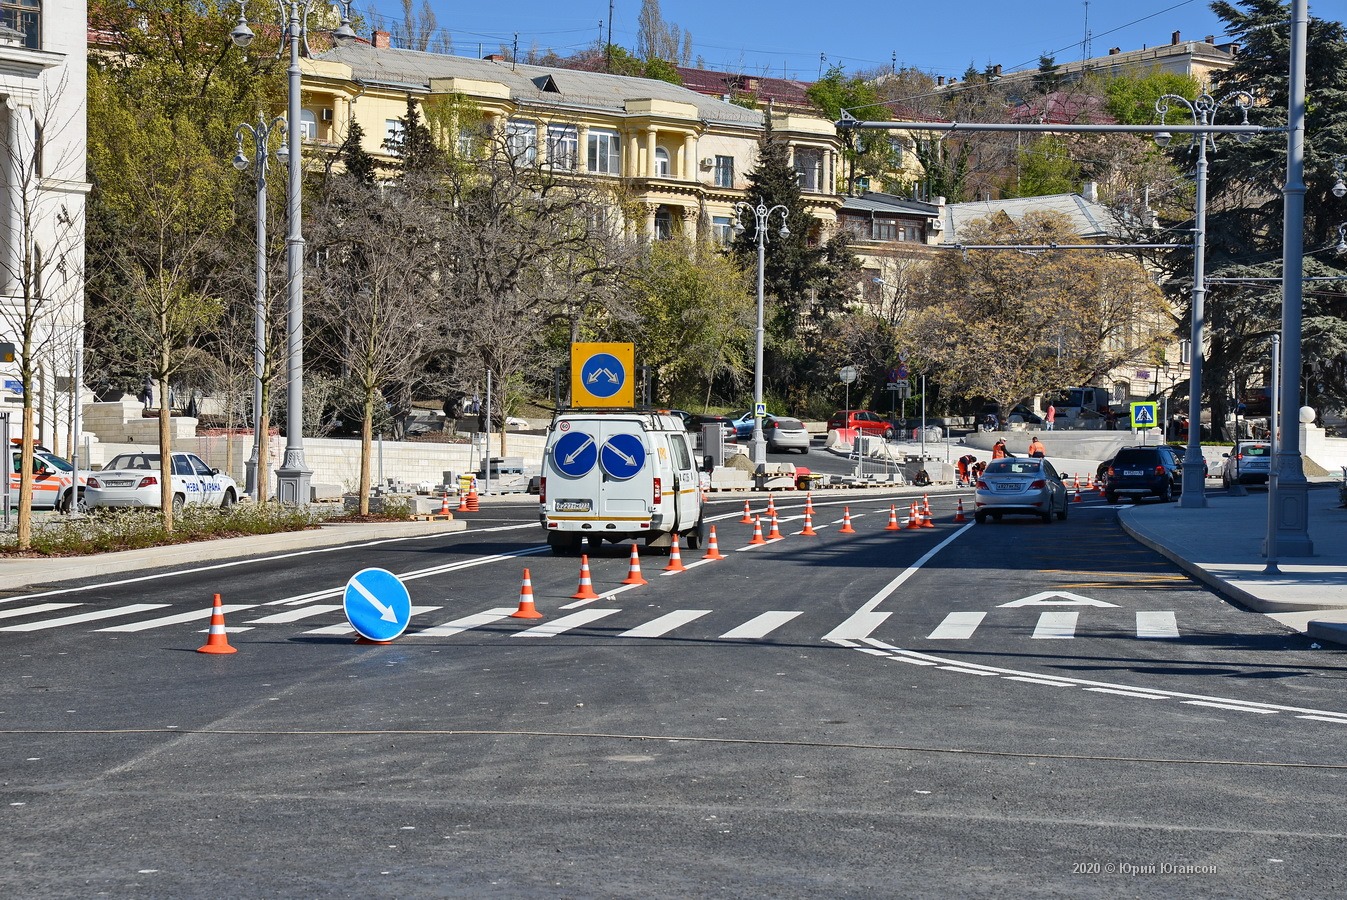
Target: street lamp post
x,y
292,477
1203,111
762,214
261,134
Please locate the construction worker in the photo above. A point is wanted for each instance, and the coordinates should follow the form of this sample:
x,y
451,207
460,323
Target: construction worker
x,y
1036,448
999,450
965,466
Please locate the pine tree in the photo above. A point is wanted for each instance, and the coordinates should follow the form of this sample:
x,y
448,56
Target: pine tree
x,y
413,143
360,165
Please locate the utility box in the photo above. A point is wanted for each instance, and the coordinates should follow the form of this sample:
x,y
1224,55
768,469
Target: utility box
x,y
713,445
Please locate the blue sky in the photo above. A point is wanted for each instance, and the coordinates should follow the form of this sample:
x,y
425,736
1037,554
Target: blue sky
x,y
938,36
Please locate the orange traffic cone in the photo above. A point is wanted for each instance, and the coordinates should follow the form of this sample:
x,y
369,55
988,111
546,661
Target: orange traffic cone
x,y
634,573
675,557
1076,497
775,533
893,519
808,523
846,522
444,505
586,589
712,549
958,514
1089,482
926,516
462,501
914,516
526,609
809,501
757,531
218,640
472,500
747,518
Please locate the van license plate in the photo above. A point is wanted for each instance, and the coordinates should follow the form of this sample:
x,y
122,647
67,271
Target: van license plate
x,y
574,506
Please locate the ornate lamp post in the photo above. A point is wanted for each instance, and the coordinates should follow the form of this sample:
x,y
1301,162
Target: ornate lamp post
x,y
292,477
1203,112
261,134
763,214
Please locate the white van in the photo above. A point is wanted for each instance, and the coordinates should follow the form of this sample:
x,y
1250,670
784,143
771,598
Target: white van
x,y
617,476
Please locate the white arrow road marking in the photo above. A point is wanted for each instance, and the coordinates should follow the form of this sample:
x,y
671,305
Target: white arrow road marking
x,y
385,612
1045,599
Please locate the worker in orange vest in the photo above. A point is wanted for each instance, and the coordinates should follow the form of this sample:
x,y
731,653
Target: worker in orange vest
x,y
999,450
1036,448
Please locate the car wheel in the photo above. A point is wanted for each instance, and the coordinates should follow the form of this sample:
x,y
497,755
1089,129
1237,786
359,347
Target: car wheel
x,y
1111,497
981,517
889,434
996,517
179,501
804,450
1225,481
1166,492
229,500
695,538
81,504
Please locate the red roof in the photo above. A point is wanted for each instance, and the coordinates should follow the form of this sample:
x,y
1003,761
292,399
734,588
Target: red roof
x,y
781,91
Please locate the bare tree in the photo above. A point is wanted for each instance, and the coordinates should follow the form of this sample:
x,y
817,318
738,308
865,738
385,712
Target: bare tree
x,y
419,30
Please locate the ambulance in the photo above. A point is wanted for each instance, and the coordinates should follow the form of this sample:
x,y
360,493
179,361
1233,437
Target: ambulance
x,y
617,476
53,479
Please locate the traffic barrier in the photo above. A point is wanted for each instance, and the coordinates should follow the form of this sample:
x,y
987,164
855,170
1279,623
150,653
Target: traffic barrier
x,y
747,518
712,548
526,608
675,557
775,533
757,532
808,523
846,522
634,573
958,514
218,639
913,516
586,589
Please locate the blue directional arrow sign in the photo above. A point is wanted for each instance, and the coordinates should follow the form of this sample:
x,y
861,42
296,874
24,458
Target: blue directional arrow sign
x,y
603,374
377,604
1143,414
575,453
622,456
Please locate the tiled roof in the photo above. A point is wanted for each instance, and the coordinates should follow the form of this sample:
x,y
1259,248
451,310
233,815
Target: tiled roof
x,y
783,91
874,201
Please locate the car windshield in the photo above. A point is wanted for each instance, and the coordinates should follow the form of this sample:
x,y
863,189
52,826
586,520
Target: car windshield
x,y
1015,467
134,461
55,462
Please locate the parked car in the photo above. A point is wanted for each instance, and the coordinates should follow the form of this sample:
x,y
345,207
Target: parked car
x,y
53,480
132,480
1144,471
693,422
785,433
1020,487
863,421
1250,463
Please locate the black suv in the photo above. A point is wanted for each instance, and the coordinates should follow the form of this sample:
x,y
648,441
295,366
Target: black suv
x,y
1137,471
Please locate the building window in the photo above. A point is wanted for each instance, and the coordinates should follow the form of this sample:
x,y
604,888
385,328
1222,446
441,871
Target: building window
x,y
605,153
722,229
724,171
308,125
661,162
884,230
862,183
521,139
467,141
392,132
663,224
809,168
563,146
24,16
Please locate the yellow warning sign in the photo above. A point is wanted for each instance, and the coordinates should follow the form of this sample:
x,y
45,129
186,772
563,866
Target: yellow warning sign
x,y
602,374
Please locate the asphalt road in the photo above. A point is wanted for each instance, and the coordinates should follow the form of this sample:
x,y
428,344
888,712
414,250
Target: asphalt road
x,y
991,710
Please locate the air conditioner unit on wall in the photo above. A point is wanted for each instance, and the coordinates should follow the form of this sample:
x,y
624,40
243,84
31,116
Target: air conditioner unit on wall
x,y
709,162
327,115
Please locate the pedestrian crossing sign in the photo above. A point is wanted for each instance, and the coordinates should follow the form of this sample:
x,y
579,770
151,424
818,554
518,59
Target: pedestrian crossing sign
x,y
1143,414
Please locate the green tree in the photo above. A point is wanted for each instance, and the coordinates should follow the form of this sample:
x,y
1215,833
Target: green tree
x,y
864,153
1130,99
413,143
1046,166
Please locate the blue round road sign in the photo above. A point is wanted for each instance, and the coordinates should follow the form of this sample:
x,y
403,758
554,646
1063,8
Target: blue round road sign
x,y
377,604
622,456
575,453
603,375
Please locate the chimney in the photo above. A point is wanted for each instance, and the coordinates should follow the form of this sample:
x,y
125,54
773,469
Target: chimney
x,y
996,70
1114,51
1174,38
1090,191
382,40
1210,39
496,57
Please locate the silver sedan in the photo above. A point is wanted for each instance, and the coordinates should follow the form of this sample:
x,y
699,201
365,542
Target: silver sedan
x,y
1020,487
785,434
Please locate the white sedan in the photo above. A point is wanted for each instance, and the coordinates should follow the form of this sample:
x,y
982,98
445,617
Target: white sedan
x,y
132,480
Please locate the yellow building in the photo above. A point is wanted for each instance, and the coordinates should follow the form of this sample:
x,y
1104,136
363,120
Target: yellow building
x,y
680,157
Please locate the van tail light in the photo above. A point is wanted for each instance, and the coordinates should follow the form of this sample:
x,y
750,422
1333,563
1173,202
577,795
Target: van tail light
x,y
148,481
542,489
1038,485
659,494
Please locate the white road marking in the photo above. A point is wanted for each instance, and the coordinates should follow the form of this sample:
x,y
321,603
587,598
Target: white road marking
x,y
957,626
85,617
476,620
566,623
195,615
1056,626
857,627
294,615
606,595
1157,625
34,610
665,623
1124,693
1034,680
759,626
1217,705
1045,598
1334,719
414,574
345,627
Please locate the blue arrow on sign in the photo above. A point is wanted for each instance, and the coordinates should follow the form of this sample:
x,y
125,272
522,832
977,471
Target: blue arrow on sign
x,y
377,604
603,375
575,453
622,456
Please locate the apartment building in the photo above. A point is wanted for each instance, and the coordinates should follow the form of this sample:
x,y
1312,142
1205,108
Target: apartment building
x,y
680,157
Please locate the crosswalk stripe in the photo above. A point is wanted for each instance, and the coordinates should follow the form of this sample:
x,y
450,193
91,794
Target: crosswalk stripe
x,y
476,620
1157,625
345,627
1056,625
957,626
294,615
665,623
193,616
759,626
35,610
566,623
93,616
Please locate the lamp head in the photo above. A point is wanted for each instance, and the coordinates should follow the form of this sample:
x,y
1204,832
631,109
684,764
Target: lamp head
x,y
1162,138
1339,189
240,161
242,35
283,153
785,232
344,35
